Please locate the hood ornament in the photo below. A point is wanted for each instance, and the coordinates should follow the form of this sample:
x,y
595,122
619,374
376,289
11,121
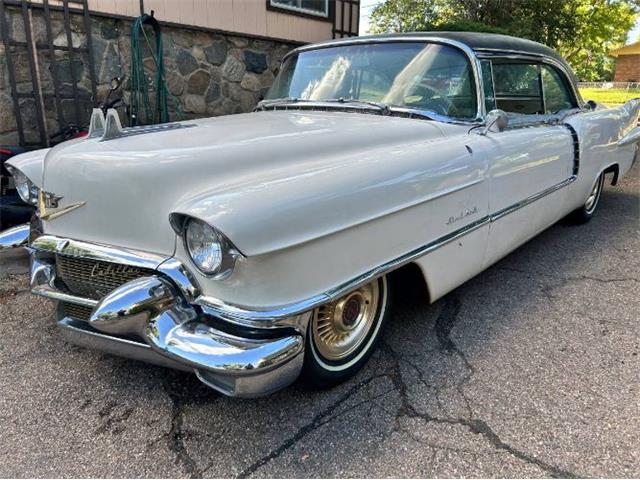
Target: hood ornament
x,y
48,208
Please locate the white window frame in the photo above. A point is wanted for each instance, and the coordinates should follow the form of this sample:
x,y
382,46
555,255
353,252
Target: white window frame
x,y
316,13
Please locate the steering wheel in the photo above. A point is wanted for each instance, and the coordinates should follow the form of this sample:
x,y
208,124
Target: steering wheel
x,y
441,105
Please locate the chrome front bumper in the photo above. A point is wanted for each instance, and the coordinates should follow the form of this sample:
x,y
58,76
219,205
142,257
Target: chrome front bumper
x,y
153,320
14,237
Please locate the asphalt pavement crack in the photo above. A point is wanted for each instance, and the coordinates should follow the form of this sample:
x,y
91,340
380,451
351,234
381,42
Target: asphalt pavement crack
x,y
114,419
444,324
176,435
482,428
7,295
321,419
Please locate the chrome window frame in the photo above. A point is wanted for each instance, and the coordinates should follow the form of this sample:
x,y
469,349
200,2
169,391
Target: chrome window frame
x,y
491,54
466,50
473,55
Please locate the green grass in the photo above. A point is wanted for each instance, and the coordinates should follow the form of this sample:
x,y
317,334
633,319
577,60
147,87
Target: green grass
x,y
609,96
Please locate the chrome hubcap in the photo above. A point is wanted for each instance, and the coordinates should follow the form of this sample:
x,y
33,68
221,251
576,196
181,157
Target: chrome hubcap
x,y
340,327
592,199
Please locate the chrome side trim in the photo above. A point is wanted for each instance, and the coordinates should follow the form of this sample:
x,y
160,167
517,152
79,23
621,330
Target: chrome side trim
x,y
523,203
277,316
14,237
273,317
94,251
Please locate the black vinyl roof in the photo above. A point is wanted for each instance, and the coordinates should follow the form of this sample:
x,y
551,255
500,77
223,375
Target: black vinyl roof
x,y
478,42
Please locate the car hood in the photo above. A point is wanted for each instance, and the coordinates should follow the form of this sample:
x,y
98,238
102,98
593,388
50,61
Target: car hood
x,y
267,180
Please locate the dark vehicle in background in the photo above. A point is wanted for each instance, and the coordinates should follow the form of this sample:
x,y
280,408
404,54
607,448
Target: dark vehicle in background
x,y
13,210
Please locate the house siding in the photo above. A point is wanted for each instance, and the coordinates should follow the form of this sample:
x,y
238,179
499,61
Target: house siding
x,y
627,68
250,17
208,73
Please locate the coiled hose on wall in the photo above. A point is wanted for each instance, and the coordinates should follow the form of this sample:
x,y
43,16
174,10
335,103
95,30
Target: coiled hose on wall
x,y
139,84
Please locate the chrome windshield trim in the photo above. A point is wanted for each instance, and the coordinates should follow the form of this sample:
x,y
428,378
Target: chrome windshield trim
x,y
468,51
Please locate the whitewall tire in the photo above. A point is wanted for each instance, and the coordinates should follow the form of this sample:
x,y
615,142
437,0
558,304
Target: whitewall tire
x,y
342,334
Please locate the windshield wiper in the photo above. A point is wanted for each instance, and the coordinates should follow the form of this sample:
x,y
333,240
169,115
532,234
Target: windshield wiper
x,y
382,107
276,102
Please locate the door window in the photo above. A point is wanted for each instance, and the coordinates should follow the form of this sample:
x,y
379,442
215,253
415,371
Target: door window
x,y
556,94
518,88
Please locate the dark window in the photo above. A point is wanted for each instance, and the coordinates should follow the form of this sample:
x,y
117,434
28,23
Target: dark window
x,y
518,88
556,92
310,7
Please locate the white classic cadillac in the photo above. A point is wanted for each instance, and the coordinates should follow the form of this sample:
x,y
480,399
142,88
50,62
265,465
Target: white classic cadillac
x,y
255,248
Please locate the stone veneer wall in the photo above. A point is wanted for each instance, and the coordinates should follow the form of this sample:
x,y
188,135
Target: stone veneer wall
x,y
208,74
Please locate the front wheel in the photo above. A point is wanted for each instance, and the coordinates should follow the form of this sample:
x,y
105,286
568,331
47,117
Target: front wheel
x,y
586,211
343,334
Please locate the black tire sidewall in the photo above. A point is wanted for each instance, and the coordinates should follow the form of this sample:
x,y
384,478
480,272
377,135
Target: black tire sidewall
x,y
318,372
581,215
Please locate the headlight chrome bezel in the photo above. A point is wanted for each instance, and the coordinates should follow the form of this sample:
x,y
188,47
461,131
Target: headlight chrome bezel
x,y
27,190
229,254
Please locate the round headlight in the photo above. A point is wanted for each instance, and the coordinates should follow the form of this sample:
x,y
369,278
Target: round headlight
x,y
204,246
26,189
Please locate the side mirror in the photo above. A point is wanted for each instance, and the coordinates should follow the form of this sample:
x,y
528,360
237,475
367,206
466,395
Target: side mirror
x,y
496,121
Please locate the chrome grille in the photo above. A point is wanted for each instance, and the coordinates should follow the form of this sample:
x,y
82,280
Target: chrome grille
x,y
77,312
94,279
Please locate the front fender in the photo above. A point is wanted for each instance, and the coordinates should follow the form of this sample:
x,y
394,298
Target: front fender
x,y
278,210
31,164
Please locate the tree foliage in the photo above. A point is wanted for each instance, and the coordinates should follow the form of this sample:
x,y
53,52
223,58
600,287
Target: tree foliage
x,y
583,31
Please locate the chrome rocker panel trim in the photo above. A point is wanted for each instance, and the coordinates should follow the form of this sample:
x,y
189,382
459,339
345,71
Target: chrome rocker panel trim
x,y
14,237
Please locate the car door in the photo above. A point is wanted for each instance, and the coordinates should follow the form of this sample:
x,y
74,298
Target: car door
x,y
532,159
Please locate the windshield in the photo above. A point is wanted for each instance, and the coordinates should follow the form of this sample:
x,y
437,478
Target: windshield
x,y
423,76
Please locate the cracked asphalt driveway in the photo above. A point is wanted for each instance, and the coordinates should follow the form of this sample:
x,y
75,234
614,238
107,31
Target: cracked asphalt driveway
x,y
529,370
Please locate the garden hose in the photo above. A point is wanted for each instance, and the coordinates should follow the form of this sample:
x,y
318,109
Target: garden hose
x,y
139,81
